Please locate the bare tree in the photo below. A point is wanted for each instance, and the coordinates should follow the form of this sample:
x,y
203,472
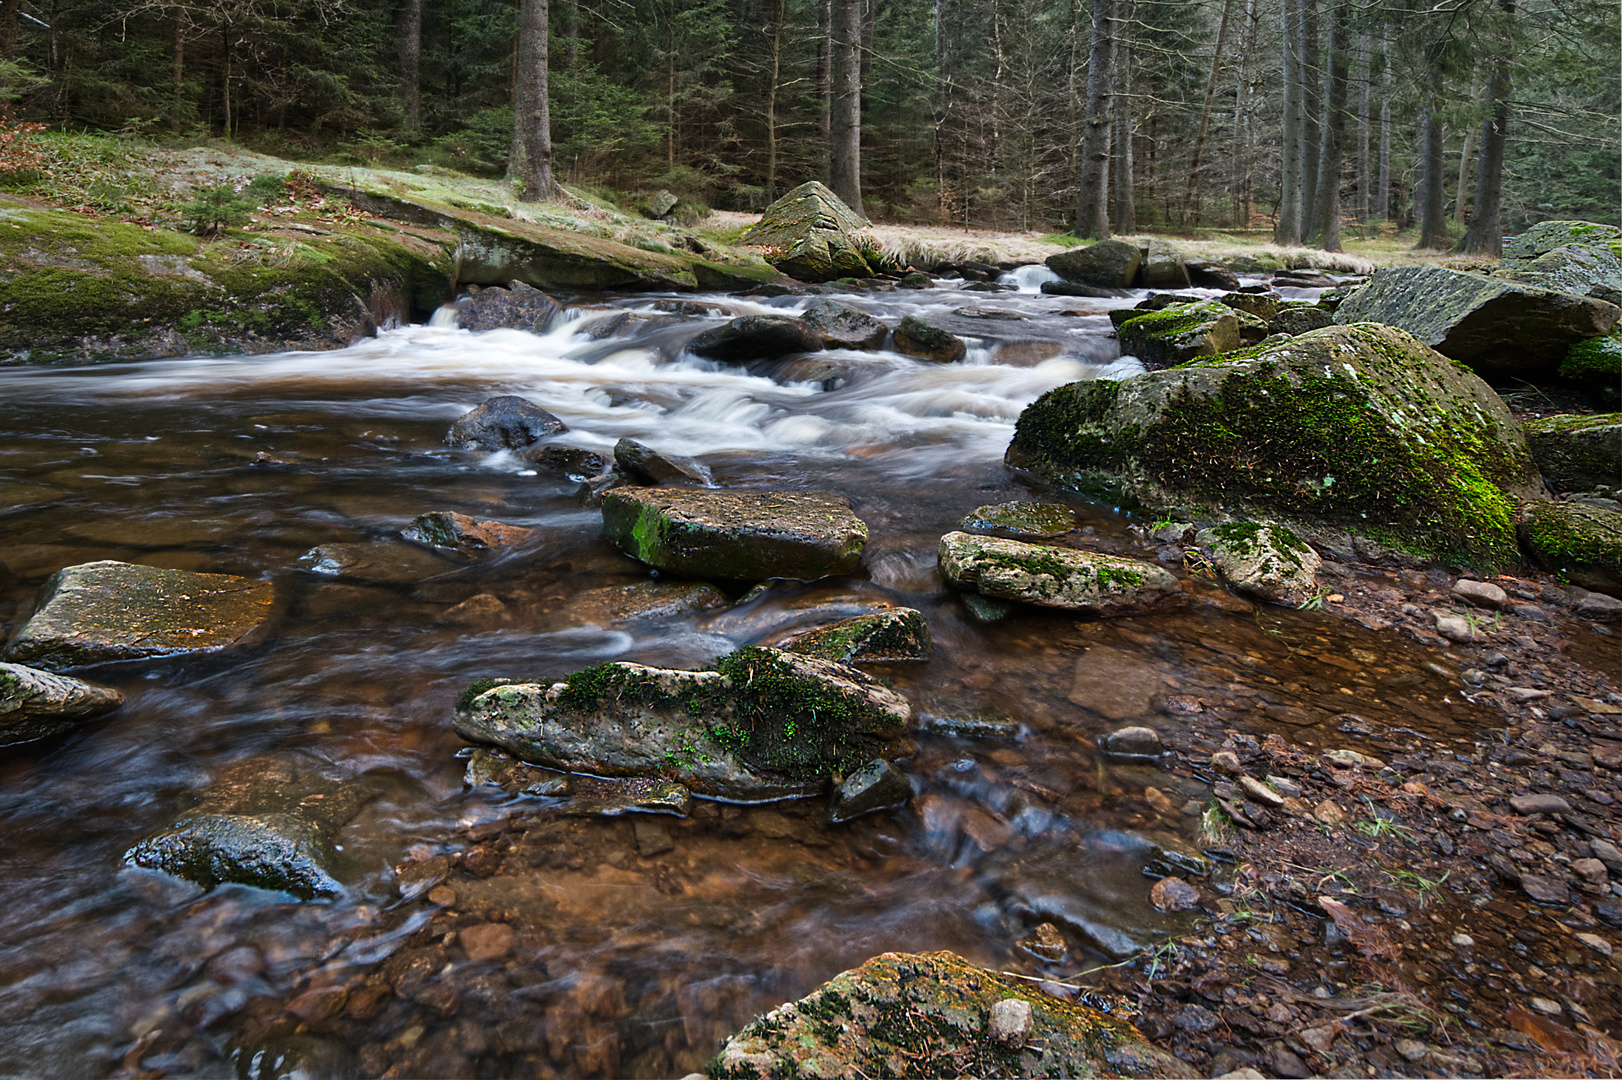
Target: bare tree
x,y
845,153
1485,236
1432,199
1092,197
411,63
1325,223
1291,210
530,160
1191,206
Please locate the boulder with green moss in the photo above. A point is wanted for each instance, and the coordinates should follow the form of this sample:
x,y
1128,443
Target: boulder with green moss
x,y
1295,319
935,1014
38,704
1497,327
1054,577
879,637
1579,542
1597,365
736,535
810,234
1108,264
1580,257
1180,333
1362,428
1263,559
1037,521
1262,305
757,725
1577,453
915,337
77,289
1547,236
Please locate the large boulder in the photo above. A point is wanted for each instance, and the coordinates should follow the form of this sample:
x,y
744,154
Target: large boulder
x,y
915,337
1263,559
38,704
1108,264
1179,333
736,535
517,307
757,725
1581,543
1579,257
1495,326
1546,236
1577,453
935,1014
102,612
1359,427
810,234
1163,266
507,422
1596,364
756,337
843,326
1054,577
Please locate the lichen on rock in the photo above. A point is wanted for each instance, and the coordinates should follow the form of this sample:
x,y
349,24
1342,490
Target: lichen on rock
x,y
1263,559
1055,577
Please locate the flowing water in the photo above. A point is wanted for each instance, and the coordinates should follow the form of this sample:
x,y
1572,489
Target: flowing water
x,y
626,963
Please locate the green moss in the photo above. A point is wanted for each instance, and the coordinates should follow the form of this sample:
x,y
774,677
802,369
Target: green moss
x,y
1595,360
475,688
1581,545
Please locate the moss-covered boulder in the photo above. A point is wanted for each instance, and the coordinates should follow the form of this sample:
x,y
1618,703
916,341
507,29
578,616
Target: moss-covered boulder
x,y
1179,333
810,234
1597,365
881,637
1262,305
1360,427
1546,236
1295,319
38,704
1497,327
1581,543
1577,453
914,337
1038,521
1263,559
736,535
77,289
266,822
935,1014
757,725
843,326
1584,271
1108,264
101,612
1054,577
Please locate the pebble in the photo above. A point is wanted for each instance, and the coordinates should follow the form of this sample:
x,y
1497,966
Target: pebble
x,y
652,838
1544,1005
1133,744
1545,890
1197,1019
1045,942
1329,812
1258,792
1456,629
1463,941
1590,870
487,941
1284,787
442,895
1225,762
1597,943
1482,594
1010,1022
1524,695
1174,894
1539,804
1351,759
1247,1073
1411,1049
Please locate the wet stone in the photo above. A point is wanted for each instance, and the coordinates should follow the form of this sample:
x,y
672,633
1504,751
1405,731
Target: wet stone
x,y
381,563
595,797
1022,519
843,326
37,704
652,838
1483,594
1045,942
572,462
971,727
517,307
644,600
916,338
1133,744
756,337
460,532
1539,804
1174,894
1111,264
878,785
109,611
1263,559
486,941
882,637
983,609
1053,577
507,422
646,465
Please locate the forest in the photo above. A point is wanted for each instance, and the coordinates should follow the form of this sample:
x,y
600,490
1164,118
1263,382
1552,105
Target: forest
x,y
1298,117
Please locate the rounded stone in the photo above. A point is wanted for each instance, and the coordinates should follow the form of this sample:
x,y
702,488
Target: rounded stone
x,y
1133,744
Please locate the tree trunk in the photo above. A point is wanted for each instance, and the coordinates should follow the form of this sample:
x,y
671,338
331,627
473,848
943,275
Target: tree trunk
x,y
1287,231
1244,121
1461,192
531,158
776,15
177,72
411,63
1485,236
1432,200
845,158
10,45
1326,211
1124,188
1092,198
942,101
1191,206
825,96
1313,77
1365,163
1382,185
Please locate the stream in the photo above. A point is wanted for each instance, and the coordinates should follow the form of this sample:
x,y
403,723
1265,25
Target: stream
x,y
628,961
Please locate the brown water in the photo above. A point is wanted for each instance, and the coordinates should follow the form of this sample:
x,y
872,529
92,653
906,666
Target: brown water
x,y
624,964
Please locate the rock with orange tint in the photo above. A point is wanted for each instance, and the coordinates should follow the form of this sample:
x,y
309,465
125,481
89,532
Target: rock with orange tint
x,y
487,941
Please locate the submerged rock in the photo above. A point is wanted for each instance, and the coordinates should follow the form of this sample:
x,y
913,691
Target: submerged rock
x,y
1581,543
928,1015
101,612
1358,427
1053,576
1577,453
643,600
1109,264
810,234
1180,333
572,462
878,785
1076,288
459,532
645,465
736,535
882,637
38,704
517,307
1492,325
382,563
1037,520
507,422
758,725
756,337
843,326
914,337
1263,559
587,796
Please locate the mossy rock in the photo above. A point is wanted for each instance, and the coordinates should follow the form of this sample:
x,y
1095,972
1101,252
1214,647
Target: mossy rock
x,y
1577,453
38,704
1359,427
1493,325
79,289
1180,333
1038,521
1108,264
914,337
1597,365
1054,577
1263,559
1547,236
757,725
929,1015
810,234
1584,271
1580,543
1295,319
882,637
1260,305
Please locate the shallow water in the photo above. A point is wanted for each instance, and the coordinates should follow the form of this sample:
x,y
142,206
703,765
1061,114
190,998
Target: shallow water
x,y
642,964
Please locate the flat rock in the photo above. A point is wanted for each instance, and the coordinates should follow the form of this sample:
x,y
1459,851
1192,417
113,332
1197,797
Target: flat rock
x,y
572,462
914,337
929,1014
758,725
756,337
878,785
1179,333
1076,288
843,326
881,637
645,465
460,532
1052,576
37,704
1482,594
379,563
1546,890
1263,559
1108,264
643,600
507,422
1038,521
736,535
1539,804
101,612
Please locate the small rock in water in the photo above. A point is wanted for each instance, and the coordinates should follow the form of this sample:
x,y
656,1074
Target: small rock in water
x,y
459,532
756,337
38,704
652,838
1054,577
1133,744
878,785
646,465
1045,942
1226,762
1021,519
914,337
843,326
573,462
985,610
487,941
1009,1022
1174,894
517,307
1482,594
1539,804
481,610
507,422
970,727
882,637
1263,559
